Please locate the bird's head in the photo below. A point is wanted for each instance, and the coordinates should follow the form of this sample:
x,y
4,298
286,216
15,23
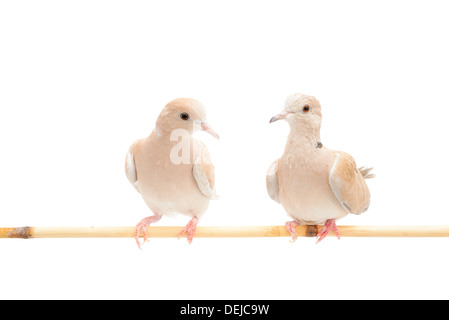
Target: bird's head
x,y
184,113
300,110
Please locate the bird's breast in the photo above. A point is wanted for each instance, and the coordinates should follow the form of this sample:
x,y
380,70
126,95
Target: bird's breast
x,y
304,189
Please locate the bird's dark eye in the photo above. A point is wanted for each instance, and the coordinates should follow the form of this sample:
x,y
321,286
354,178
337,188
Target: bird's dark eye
x,y
306,108
184,116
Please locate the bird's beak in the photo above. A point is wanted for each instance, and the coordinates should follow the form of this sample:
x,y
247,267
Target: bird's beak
x,y
206,127
280,116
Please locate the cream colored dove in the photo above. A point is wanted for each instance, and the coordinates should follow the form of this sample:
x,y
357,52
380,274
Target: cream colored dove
x,y
171,169
314,184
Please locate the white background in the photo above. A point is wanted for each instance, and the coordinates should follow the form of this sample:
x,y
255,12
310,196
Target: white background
x,y
81,80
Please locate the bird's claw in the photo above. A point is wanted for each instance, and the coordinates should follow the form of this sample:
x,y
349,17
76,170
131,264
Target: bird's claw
x,y
189,229
326,229
142,227
290,226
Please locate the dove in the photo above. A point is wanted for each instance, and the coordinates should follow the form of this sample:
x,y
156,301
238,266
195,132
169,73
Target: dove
x,y
315,185
171,169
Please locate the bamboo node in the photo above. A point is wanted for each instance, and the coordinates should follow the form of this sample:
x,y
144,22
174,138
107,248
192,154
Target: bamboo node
x,y
21,232
311,231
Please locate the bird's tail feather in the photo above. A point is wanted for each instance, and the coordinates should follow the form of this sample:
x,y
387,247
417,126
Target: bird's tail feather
x,y
366,172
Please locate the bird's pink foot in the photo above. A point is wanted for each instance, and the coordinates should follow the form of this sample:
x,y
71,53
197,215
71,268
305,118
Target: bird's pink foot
x,y
290,225
189,229
326,229
142,226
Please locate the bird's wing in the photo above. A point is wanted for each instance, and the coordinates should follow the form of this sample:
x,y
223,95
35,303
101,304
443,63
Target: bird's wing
x,y
130,168
348,184
273,182
204,172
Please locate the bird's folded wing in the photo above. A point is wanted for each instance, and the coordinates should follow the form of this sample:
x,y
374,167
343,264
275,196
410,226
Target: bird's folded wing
x,y
130,168
204,172
348,184
273,182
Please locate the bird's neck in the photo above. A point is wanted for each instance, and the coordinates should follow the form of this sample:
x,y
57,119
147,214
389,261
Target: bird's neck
x,y
305,136
170,138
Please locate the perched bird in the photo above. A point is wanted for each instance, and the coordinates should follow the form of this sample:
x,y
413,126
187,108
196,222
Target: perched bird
x,y
171,169
314,184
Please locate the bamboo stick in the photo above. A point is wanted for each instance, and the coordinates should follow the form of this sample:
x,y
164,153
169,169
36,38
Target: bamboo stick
x,y
222,232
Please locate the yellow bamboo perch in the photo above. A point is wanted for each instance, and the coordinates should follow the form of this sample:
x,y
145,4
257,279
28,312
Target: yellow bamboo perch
x,y
223,232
